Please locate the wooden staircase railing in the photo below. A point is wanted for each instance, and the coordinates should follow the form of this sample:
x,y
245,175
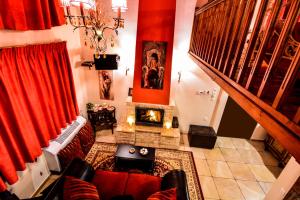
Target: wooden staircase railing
x,y
251,49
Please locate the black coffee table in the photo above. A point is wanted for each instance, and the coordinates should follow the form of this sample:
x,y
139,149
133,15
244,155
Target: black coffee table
x,y
126,161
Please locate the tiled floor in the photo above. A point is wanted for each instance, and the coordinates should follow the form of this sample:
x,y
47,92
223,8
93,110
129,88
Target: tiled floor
x,y
235,169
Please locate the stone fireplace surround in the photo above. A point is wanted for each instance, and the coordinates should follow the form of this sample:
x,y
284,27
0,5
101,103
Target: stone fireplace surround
x,y
148,136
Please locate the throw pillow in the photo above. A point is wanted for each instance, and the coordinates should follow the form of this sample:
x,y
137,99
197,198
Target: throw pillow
x,y
164,195
76,189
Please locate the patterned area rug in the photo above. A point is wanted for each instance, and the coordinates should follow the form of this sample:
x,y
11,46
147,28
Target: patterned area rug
x,y
101,156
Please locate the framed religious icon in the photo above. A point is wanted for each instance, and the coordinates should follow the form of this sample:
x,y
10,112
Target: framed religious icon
x,y
153,64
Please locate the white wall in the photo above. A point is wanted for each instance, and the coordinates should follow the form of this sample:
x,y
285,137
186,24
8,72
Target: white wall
x,y
219,109
192,108
259,133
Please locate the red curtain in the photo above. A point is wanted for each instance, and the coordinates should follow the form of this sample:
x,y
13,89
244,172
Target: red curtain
x,y
37,99
30,14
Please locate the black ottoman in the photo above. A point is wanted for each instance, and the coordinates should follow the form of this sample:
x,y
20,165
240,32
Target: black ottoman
x,y
202,136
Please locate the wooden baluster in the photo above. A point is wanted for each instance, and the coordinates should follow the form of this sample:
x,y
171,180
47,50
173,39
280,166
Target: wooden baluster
x,y
269,30
234,35
288,25
243,34
219,24
222,32
215,31
212,22
205,33
253,38
201,33
193,36
227,35
198,30
288,81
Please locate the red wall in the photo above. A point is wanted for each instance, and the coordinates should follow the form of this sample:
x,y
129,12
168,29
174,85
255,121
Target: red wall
x,y
156,19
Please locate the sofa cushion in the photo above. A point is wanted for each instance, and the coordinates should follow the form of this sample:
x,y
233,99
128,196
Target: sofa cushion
x,y
110,184
71,151
76,189
141,186
164,195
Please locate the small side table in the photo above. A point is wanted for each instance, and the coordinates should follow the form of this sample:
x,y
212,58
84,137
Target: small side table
x,y
126,161
103,118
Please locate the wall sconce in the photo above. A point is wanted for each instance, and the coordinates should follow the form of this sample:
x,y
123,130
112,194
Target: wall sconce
x,y
168,125
179,77
130,120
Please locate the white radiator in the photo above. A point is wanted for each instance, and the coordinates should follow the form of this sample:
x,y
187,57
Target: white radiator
x,y
66,136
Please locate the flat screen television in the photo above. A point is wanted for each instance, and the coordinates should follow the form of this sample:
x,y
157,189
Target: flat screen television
x,y
106,62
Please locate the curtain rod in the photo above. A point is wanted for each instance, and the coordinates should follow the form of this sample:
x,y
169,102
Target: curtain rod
x,y
24,45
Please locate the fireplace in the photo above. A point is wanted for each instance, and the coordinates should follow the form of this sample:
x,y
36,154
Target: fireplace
x,y
149,116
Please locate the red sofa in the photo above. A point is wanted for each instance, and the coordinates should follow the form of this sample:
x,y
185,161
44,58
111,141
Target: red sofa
x,y
111,184
139,186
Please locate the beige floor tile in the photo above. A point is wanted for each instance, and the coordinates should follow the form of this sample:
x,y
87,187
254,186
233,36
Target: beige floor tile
x,y
208,187
241,143
268,158
250,156
231,155
213,154
251,190
202,167
262,173
210,199
225,142
198,152
241,171
219,169
228,189
265,186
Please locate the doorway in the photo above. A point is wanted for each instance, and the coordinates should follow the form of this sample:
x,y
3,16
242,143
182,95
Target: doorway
x,y
236,122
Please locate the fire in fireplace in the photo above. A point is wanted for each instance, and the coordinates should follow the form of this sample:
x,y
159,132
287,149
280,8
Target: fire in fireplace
x,y
149,116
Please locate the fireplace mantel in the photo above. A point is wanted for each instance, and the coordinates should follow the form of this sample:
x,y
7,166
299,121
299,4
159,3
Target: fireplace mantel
x,y
149,136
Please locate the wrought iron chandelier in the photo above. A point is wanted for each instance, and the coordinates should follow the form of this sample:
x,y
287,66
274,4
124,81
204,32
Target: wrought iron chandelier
x,y
92,21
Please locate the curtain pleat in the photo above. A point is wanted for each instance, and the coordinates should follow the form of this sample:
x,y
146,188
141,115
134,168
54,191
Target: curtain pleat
x,y
30,14
37,99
